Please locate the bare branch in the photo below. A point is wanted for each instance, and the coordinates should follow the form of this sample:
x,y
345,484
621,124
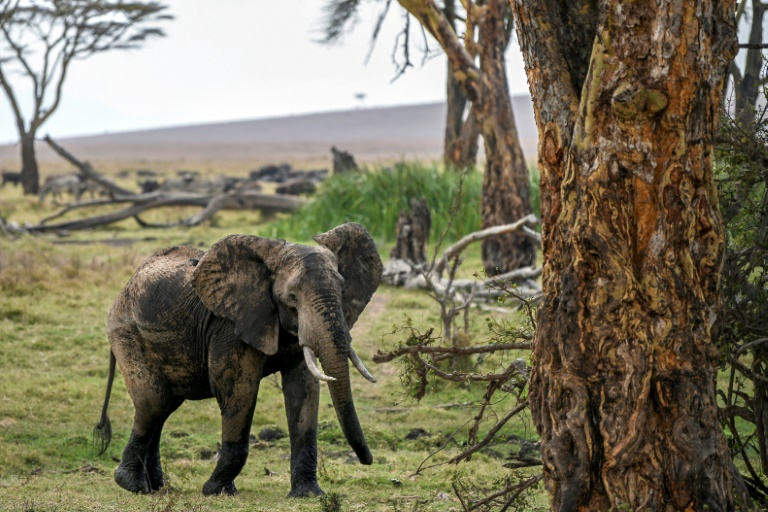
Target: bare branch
x,y
376,30
382,357
457,248
491,433
87,170
405,36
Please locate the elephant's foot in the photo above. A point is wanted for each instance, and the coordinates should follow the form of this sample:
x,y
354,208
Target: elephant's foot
x,y
305,490
155,473
156,480
132,480
213,488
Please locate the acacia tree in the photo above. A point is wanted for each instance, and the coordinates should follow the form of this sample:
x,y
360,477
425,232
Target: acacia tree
x,y
626,96
487,31
506,190
461,132
39,40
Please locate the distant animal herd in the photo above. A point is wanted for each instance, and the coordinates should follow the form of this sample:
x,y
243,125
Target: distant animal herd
x,y
289,181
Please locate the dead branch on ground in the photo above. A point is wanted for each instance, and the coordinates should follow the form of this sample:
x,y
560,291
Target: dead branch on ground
x,y
140,203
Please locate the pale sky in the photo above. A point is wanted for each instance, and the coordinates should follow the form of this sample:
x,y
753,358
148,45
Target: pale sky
x,y
243,59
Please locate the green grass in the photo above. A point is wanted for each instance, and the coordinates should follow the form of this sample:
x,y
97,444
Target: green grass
x,y
375,198
53,371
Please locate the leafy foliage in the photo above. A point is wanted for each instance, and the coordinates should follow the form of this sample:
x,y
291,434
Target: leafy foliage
x,y
427,358
742,329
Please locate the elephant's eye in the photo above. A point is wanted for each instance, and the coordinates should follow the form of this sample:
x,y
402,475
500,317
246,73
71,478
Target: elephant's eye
x,y
293,298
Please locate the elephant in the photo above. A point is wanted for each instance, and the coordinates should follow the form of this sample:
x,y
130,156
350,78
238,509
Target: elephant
x,y
191,325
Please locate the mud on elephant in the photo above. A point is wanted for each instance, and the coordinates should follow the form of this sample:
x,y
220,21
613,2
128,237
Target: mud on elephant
x,y
191,325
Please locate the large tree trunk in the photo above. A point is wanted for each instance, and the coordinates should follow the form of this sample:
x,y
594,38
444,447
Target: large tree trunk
x,y
623,385
506,189
30,177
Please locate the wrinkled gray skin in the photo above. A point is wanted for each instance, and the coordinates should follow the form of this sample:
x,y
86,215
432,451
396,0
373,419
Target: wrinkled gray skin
x,y
191,325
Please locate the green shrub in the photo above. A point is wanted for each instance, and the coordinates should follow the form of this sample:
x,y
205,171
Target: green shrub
x,y
374,198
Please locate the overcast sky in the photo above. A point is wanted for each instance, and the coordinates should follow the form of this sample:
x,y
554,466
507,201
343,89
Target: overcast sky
x,y
243,59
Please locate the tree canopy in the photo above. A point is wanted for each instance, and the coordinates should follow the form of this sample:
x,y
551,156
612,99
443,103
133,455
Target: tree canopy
x,y
39,40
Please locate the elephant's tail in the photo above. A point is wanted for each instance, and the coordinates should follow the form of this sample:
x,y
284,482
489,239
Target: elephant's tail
x,y
103,430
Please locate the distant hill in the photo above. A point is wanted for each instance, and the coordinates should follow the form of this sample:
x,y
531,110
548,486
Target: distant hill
x,y
413,131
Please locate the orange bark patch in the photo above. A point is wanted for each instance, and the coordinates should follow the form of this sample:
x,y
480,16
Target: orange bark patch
x,y
646,213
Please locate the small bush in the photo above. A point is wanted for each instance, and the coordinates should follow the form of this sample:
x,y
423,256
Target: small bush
x,y
374,198
331,502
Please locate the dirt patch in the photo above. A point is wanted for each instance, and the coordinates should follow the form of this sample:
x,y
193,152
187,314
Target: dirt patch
x,y
361,331
365,341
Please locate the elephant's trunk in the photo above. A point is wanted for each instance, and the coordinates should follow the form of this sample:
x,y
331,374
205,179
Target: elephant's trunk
x,y
333,350
341,394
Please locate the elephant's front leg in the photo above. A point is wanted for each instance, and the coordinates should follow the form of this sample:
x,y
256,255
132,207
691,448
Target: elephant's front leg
x,y
235,383
302,396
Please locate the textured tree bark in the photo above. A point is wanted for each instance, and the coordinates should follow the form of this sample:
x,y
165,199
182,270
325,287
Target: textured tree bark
x,y
506,188
30,176
456,102
470,134
626,96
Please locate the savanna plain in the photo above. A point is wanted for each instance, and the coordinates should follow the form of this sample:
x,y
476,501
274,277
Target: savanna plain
x,y
54,357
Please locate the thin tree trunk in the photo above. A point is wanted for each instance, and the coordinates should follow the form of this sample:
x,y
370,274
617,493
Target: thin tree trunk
x,y
623,384
456,103
748,88
30,177
506,189
470,134
461,134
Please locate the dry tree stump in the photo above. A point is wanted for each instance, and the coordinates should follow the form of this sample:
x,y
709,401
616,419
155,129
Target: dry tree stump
x,y
412,234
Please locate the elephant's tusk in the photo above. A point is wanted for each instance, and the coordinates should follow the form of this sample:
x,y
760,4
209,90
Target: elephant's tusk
x,y
359,365
311,360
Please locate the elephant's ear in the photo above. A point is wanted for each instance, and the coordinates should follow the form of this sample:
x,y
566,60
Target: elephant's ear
x,y
233,280
359,264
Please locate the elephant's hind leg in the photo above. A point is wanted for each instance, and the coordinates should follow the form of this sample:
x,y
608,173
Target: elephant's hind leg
x,y
154,467
139,469
302,395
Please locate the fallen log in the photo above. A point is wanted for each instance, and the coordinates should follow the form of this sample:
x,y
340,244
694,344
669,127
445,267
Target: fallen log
x,y
86,169
244,200
212,204
402,272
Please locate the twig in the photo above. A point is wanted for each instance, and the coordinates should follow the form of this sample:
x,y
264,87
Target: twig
x,y
382,357
458,495
491,433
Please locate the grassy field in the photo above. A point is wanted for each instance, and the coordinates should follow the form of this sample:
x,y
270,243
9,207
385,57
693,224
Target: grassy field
x,y
54,295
